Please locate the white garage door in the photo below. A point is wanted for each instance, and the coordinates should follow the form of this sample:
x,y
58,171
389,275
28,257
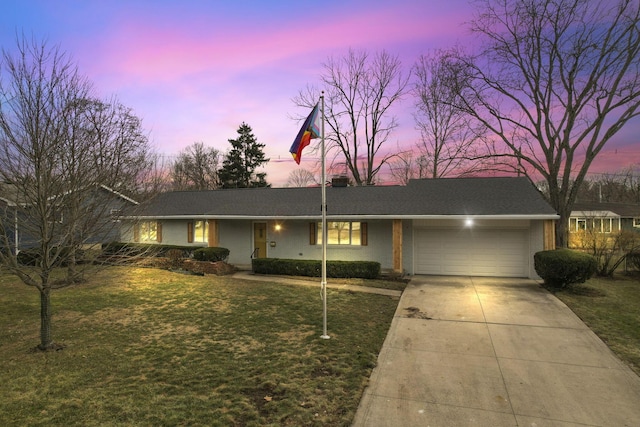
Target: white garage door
x,y
472,252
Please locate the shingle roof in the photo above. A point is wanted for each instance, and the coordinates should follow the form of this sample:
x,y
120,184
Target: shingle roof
x,y
626,210
420,198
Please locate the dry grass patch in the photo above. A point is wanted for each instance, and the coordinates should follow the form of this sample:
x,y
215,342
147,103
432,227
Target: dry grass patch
x,y
611,308
147,347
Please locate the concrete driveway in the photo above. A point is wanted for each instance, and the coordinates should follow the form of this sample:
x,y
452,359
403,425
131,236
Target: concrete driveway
x,y
468,351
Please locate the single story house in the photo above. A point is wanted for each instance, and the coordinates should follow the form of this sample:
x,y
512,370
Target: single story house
x,y
448,226
605,217
19,229
602,217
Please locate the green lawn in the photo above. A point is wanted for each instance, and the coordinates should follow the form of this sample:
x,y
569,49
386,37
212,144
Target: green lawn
x,y
611,308
149,347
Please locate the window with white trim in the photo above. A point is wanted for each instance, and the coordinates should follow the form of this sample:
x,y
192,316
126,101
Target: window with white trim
x,y
636,222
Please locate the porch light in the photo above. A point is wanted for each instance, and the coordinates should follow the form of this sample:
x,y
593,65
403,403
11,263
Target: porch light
x,y
468,222
277,227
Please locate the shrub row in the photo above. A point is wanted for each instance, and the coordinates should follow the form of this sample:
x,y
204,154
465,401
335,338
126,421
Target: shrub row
x,y
313,268
145,249
560,268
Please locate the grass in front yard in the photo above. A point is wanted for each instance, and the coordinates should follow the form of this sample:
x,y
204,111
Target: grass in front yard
x,y
611,308
148,347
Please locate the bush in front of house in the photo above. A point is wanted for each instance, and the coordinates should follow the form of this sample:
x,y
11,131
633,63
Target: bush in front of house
x,y
32,256
633,260
313,268
211,254
144,249
560,268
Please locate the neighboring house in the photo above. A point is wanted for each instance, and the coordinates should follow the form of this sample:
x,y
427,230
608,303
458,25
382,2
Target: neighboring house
x,y
14,218
605,218
460,226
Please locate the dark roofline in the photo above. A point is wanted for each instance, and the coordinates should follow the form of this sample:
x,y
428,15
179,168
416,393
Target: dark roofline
x,y
433,198
625,210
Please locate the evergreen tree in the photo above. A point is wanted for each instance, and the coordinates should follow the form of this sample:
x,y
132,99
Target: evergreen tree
x,y
240,163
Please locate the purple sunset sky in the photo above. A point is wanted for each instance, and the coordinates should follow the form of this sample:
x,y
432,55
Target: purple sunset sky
x,y
195,70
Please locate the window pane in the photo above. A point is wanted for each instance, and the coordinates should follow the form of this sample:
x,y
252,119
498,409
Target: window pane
x,y
607,225
200,231
355,233
340,233
597,224
343,233
148,231
337,233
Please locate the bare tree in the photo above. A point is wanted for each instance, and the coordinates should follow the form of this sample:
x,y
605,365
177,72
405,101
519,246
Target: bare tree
x,y
554,83
360,92
301,177
405,166
450,142
196,168
155,179
64,156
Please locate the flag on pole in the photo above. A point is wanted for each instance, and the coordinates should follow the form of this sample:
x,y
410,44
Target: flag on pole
x,y
310,130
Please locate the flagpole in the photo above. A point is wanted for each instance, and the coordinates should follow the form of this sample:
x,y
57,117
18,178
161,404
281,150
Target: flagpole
x,y
323,284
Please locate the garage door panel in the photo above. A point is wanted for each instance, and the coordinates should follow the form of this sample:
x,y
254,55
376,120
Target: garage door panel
x,y
472,252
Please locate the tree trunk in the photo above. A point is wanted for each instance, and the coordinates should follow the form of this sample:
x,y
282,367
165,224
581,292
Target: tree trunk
x,y
562,228
45,319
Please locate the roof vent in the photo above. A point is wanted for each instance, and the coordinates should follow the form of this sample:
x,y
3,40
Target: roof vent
x,y
339,181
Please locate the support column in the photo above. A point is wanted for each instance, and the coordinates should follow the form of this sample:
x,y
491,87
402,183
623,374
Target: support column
x,y
397,245
212,238
549,231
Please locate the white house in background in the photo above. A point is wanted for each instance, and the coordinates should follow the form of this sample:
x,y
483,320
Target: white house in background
x,y
449,226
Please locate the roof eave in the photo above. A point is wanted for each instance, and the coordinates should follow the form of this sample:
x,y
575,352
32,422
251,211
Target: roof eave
x,y
349,217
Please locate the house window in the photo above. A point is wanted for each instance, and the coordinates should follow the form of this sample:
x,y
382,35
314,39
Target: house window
x,y
200,231
341,233
636,222
578,224
115,215
149,231
597,225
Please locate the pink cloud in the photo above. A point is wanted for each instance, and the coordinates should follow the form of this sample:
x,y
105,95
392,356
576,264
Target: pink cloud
x,y
156,52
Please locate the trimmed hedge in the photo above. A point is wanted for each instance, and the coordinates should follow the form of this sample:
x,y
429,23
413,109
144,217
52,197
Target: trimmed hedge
x,y
211,254
313,268
144,249
560,268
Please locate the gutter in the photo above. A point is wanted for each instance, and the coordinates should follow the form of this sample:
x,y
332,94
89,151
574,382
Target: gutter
x,y
346,217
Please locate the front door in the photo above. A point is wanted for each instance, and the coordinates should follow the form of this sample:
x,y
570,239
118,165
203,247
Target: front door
x,y
259,239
